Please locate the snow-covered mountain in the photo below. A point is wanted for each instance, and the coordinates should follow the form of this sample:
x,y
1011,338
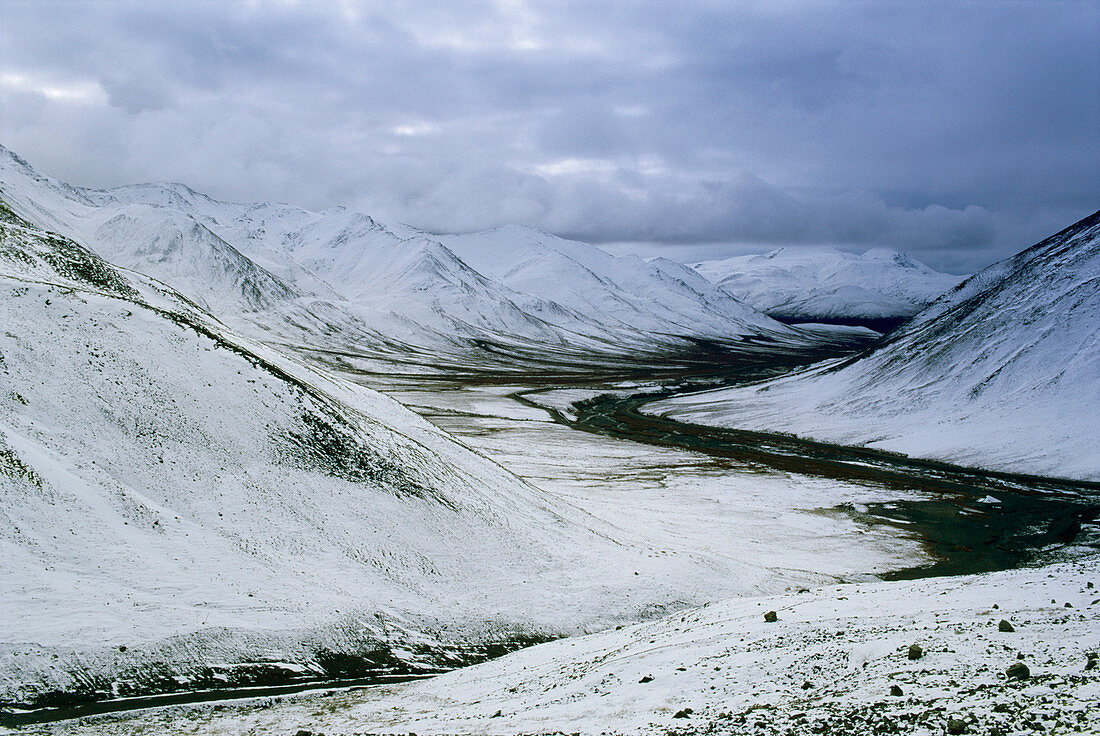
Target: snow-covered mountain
x,y
183,505
633,296
341,281
1001,372
806,284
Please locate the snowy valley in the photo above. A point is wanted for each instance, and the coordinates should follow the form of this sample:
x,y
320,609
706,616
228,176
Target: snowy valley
x,y
256,446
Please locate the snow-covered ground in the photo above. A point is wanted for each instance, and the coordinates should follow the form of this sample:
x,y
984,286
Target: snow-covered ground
x,y
1002,372
830,663
806,283
712,522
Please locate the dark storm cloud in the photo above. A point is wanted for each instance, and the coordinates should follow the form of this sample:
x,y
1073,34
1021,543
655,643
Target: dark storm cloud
x,y
959,131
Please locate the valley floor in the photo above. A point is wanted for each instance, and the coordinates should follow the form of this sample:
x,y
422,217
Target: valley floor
x,y
762,541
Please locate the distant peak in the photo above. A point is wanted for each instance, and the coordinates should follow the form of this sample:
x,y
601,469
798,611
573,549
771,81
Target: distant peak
x,y
16,159
904,260
521,230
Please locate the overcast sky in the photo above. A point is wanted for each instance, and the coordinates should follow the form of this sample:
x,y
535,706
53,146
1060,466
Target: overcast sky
x,y
960,132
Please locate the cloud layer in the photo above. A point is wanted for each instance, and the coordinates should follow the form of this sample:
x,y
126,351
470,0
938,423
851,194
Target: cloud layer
x,y
959,131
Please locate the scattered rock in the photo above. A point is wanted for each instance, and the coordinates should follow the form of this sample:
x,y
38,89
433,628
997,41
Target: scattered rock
x,y
1068,604
685,713
1005,626
305,732
1090,585
122,647
1018,671
1091,661
647,678
915,652
498,714
807,685
771,617
956,725
896,691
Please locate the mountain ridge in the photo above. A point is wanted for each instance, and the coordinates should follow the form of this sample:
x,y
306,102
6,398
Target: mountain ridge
x,y
357,288
804,284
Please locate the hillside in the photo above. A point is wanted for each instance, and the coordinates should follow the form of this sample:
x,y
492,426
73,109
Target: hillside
x,y
184,507
1001,372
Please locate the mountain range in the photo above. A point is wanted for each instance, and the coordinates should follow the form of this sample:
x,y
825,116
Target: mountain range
x,y
339,281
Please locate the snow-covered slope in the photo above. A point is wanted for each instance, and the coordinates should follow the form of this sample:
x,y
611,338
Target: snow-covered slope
x,y
341,281
803,284
180,504
656,297
836,661
1001,372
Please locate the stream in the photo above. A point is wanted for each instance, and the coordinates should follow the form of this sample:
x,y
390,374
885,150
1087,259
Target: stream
x,y
970,520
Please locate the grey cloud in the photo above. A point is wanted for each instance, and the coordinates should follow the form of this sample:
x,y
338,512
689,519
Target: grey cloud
x,y
960,131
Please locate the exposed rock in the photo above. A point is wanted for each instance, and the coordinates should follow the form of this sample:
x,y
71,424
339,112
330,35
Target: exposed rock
x,y
1005,626
956,725
685,713
1018,671
771,617
915,652
896,691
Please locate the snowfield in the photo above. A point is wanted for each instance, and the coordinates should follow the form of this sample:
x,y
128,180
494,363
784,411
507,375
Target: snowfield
x,y
1002,372
828,664
804,284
